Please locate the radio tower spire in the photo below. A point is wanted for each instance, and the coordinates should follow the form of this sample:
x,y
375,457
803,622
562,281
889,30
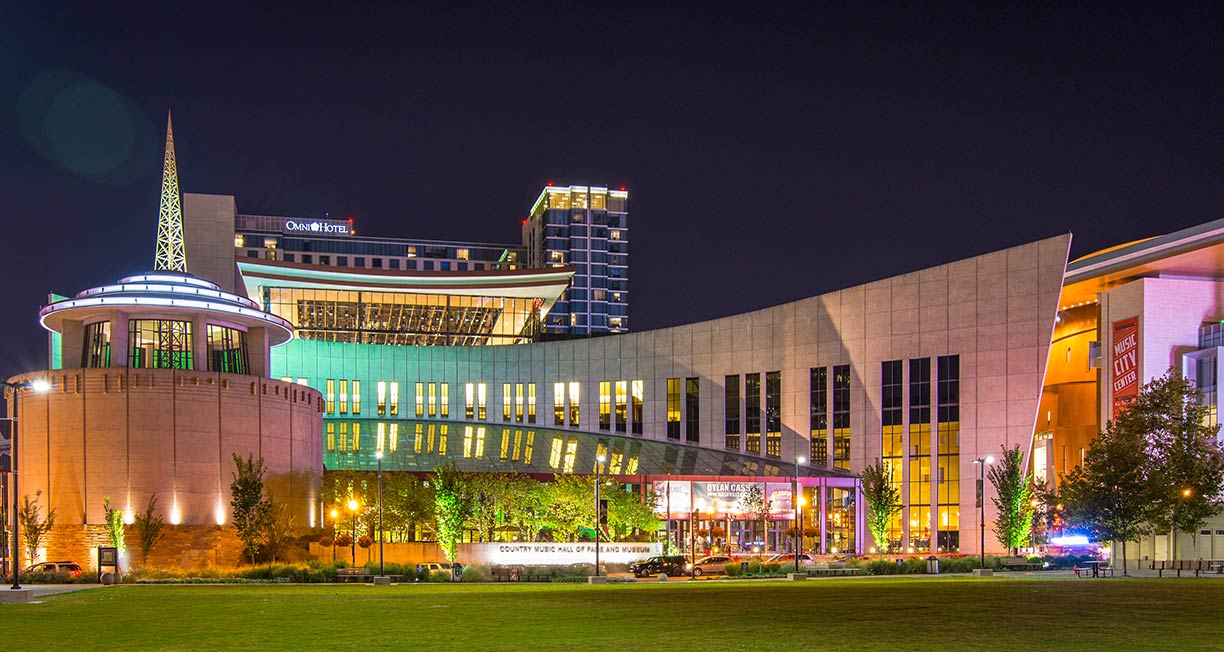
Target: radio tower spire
x,y
170,252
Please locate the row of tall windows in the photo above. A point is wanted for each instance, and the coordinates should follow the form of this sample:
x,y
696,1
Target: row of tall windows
x,y
919,516
433,399
567,395
386,407
616,395
338,436
841,416
818,412
773,414
516,406
475,401
344,405
752,413
731,412
750,408
892,435
948,425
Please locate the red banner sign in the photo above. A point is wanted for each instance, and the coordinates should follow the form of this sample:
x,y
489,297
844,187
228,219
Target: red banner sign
x,y
1125,368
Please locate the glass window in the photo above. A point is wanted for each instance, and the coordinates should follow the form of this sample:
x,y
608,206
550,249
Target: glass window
x,y
773,414
531,402
637,396
818,385
673,408
918,515
160,344
947,490
505,401
381,389
692,409
731,412
96,350
444,401
575,392
558,404
518,402
841,416
752,413
344,404
394,399
482,401
420,400
356,397
331,396
622,413
469,401
227,350
605,405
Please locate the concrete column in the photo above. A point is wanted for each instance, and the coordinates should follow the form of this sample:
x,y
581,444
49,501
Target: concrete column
x,y
119,339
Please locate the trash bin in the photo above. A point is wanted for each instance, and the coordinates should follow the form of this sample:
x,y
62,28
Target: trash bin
x,y
932,565
457,570
743,568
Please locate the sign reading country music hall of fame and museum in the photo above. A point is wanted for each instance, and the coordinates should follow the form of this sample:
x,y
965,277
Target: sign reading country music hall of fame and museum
x,y
1124,363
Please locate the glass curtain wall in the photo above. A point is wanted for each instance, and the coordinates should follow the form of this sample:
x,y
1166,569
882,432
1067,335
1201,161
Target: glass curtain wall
x,y
160,344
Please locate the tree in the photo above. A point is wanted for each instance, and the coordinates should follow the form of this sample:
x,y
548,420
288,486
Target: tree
x,y
570,506
1013,499
251,509
148,528
753,504
114,523
627,513
1186,462
277,531
33,525
452,507
883,501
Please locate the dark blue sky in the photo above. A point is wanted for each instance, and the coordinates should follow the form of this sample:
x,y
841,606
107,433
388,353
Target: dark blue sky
x,y
771,151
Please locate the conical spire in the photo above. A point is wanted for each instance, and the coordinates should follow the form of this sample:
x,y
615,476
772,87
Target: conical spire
x,y
171,255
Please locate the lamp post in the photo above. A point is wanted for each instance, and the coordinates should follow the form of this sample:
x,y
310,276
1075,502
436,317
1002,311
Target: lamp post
x,y
39,386
335,516
693,542
598,510
669,531
1185,495
353,505
795,499
982,463
380,515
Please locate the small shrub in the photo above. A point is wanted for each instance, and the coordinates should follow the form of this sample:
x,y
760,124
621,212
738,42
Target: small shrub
x,y
883,567
732,570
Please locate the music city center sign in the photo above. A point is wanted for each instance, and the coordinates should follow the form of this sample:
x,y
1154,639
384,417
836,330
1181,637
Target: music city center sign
x,y
558,554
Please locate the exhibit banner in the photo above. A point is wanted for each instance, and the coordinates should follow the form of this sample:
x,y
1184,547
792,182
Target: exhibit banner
x,y
1125,363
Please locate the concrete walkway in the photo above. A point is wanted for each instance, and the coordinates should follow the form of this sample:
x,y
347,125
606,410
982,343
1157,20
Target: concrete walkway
x,y
31,592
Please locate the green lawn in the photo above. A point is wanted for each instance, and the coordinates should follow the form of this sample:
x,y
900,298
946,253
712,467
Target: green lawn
x,y
895,613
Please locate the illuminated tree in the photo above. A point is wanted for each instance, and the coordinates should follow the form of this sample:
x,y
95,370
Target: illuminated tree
x,y
34,525
883,501
114,523
1013,499
148,526
452,507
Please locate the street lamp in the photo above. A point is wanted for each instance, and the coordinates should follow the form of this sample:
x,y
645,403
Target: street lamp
x,y
335,516
693,542
982,463
353,505
379,456
669,530
598,511
795,499
39,386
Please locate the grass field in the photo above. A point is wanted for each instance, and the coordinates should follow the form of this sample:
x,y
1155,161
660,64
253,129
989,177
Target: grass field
x,y
894,613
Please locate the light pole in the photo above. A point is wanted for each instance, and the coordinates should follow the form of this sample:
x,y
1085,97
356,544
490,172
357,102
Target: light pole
x,y
598,510
669,532
982,463
39,386
693,542
795,499
353,505
380,514
335,515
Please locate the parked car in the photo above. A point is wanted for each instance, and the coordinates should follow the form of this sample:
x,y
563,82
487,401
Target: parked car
x,y
431,567
669,564
712,565
789,558
70,567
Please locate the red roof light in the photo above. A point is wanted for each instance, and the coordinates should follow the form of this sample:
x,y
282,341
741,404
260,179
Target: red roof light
x,y
549,184
524,221
622,189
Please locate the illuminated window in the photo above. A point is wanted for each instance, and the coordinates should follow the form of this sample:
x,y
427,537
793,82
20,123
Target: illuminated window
x,y
344,397
468,435
531,402
444,408
420,400
302,381
637,398
461,254
331,437
575,401
752,413
621,402
605,405
382,437
469,401
443,431
673,408
614,235
947,490
571,455
841,416
518,402
239,240
356,397
356,436
554,454
773,414
412,252
892,446
528,447
395,399
818,415
331,396
227,350
160,344
394,443
344,435
269,243
505,401
433,399
482,395
731,412
96,351
558,404
417,436
382,397
692,410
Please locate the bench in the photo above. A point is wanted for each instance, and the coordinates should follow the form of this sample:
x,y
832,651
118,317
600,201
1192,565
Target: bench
x,y
833,572
353,575
1020,563
1178,565
1093,570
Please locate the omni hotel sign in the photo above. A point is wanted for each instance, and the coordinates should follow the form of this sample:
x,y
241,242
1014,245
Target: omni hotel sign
x,y
317,226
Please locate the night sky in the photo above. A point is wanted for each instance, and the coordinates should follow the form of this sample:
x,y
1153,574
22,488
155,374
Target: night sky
x,y
771,151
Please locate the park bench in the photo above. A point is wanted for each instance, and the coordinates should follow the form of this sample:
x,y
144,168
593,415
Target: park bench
x,y
1091,569
1020,563
1178,565
833,572
353,575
